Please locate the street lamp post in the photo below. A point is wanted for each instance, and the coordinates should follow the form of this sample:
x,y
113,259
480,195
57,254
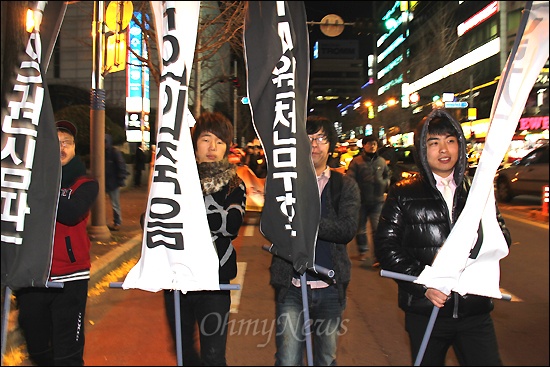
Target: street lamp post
x,y
98,229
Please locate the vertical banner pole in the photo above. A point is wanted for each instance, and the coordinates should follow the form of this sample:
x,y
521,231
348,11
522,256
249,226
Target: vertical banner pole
x,y
177,312
307,324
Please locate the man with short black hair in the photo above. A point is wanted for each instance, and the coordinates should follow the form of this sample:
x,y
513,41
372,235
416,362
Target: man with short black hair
x,y
115,178
339,210
373,177
416,220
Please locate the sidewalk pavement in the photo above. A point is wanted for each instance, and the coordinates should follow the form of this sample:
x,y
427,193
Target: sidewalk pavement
x,y
126,242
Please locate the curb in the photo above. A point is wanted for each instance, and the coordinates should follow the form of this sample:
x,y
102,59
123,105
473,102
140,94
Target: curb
x,y
110,261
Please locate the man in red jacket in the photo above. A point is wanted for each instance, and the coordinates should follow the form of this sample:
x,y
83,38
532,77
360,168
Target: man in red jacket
x,y
52,319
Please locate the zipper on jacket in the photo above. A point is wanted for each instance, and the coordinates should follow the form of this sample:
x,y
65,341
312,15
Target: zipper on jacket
x,y
69,248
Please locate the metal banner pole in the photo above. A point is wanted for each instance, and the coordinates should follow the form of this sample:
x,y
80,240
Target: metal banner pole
x,y
307,324
179,354
433,316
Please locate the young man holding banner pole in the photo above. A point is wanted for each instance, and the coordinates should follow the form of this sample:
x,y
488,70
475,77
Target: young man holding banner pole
x,y
461,280
340,200
416,220
52,318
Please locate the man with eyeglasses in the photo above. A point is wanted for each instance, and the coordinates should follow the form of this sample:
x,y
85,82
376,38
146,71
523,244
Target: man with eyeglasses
x,y
52,319
339,213
373,176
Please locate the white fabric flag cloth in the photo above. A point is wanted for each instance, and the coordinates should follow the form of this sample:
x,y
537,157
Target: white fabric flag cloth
x,y
177,250
452,269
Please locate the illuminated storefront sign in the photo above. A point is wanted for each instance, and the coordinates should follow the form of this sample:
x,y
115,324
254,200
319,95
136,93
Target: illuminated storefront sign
x,y
477,18
138,102
533,123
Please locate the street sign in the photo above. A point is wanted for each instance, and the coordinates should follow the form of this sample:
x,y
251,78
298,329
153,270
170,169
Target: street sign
x,y
456,104
118,15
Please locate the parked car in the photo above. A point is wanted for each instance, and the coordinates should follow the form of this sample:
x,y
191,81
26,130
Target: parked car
x,y
400,161
524,177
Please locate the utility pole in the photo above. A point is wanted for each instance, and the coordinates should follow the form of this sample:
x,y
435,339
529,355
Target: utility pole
x,y
98,229
235,96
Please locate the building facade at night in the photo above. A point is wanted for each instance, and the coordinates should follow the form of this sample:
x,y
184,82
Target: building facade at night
x,y
432,53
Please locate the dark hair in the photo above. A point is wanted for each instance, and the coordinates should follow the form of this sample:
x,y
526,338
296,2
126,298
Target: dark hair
x,y
316,123
368,138
215,123
440,125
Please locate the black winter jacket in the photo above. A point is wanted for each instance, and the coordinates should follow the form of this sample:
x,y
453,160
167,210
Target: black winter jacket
x,y
372,175
115,166
337,228
415,223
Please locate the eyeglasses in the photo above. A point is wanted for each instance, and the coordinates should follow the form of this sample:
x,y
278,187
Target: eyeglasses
x,y
66,143
321,139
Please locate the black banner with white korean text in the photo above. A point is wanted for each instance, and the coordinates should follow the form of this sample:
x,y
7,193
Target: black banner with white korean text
x,y
276,47
31,167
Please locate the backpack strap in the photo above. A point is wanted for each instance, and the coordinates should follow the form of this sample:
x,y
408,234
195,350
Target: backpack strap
x,y
80,181
336,183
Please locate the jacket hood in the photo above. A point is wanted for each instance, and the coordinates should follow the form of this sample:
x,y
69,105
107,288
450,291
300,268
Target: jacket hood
x,y
420,147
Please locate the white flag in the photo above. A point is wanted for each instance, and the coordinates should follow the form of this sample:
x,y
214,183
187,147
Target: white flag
x,y
452,269
177,251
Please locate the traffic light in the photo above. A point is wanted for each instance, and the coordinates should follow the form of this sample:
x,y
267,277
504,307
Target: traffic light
x,y
235,82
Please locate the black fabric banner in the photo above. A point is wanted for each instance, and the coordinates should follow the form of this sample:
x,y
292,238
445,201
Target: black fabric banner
x,y
31,167
276,47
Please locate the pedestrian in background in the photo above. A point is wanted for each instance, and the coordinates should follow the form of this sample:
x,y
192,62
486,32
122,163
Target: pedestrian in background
x,y
225,199
339,197
373,177
415,222
152,158
351,152
52,319
115,178
256,161
139,164
249,150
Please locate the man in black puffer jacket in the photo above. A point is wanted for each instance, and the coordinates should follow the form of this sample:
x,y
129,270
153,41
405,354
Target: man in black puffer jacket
x,y
414,223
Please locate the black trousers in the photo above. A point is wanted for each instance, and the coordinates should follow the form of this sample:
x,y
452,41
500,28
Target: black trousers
x,y
52,321
137,177
205,313
473,340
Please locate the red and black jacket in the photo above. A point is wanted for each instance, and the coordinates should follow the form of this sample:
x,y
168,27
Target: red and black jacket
x,y
71,253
